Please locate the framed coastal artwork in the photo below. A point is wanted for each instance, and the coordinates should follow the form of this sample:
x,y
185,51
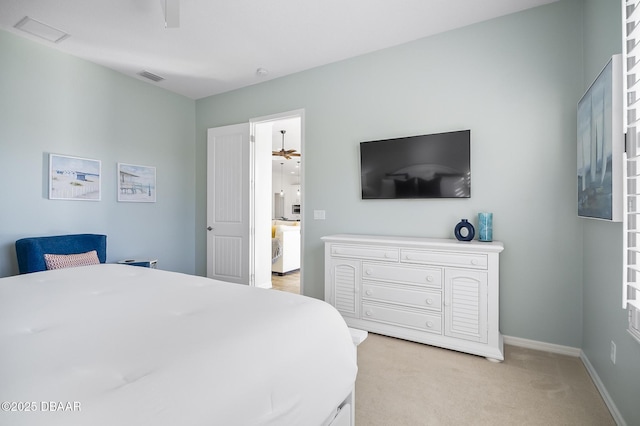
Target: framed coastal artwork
x,y
601,146
136,184
74,178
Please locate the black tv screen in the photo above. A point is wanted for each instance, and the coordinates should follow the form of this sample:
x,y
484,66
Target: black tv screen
x,y
426,166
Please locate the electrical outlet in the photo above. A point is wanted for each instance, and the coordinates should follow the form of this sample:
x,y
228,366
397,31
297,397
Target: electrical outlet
x,y
613,352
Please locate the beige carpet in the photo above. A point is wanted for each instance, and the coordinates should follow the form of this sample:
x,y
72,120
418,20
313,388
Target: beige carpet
x,y
406,383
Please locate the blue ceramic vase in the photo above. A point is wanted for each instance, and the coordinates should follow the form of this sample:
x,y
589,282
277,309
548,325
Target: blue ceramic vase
x,y
464,231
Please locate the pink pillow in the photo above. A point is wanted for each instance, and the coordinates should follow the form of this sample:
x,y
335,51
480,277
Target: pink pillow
x,y
59,261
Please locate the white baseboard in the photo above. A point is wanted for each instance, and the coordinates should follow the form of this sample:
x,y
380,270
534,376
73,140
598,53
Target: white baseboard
x,y
577,352
542,346
603,391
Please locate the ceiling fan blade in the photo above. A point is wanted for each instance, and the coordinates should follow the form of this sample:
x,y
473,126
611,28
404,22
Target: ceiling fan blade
x,y
171,13
295,155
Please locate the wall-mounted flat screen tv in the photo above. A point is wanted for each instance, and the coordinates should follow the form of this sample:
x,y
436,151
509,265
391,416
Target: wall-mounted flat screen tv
x,y
426,166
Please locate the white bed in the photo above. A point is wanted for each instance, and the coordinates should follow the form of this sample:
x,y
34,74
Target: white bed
x,y
137,346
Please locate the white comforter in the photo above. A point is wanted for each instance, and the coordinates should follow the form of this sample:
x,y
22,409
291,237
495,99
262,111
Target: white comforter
x,y
122,345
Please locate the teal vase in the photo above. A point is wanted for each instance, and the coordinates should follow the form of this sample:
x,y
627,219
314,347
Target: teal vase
x,y
485,227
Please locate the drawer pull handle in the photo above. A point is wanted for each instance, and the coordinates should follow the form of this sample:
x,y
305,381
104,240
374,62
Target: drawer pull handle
x,y
429,301
368,313
386,255
429,324
408,257
474,262
430,278
368,271
369,292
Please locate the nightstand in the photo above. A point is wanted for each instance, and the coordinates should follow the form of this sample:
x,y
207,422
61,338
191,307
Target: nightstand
x,y
145,263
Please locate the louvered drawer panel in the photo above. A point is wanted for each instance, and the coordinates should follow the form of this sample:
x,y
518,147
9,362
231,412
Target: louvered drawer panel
x,y
475,261
364,252
405,296
430,322
428,277
345,279
466,305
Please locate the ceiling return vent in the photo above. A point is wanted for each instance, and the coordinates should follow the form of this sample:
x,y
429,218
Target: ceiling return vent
x,y
40,29
151,76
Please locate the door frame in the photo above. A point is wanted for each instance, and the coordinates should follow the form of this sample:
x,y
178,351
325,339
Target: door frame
x,y
253,209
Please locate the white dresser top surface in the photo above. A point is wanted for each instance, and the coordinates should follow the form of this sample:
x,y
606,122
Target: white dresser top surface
x,y
417,242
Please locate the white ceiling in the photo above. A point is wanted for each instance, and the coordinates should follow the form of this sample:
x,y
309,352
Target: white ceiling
x,y
220,44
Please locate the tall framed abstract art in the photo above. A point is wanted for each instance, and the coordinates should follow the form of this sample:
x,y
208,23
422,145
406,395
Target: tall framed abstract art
x,y
600,146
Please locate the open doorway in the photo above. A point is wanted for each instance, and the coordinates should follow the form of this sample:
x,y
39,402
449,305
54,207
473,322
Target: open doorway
x,y
278,200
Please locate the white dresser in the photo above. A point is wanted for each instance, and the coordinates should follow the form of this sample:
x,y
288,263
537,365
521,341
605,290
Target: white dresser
x,y
436,291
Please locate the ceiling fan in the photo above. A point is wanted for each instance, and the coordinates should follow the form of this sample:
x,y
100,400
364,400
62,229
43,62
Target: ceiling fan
x,y
285,153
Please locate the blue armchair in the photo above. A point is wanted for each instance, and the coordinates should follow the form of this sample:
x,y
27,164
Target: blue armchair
x,y
31,251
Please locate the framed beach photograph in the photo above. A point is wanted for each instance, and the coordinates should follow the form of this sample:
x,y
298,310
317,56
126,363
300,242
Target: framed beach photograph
x,y
136,184
74,178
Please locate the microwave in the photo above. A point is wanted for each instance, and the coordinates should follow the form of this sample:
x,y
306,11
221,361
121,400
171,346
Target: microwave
x,y
295,209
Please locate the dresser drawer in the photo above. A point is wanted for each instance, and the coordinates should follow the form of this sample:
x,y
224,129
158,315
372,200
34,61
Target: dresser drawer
x,y
475,261
427,277
414,297
364,252
430,322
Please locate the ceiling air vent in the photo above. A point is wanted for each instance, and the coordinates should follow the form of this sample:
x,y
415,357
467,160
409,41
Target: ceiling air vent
x,y
40,29
151,76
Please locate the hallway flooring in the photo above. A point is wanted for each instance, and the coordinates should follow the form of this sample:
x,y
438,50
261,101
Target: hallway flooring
x,y
289,282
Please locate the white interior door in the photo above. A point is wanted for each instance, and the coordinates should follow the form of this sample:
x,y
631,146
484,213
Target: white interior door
x,y
228,204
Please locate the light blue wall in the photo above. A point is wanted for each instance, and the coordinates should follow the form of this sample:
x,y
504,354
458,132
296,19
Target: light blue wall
x,y
604,318
54,103
514,81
